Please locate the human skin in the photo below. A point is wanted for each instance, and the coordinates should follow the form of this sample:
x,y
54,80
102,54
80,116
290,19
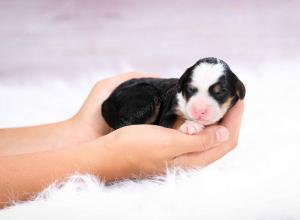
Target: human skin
x,y
34,157
88,124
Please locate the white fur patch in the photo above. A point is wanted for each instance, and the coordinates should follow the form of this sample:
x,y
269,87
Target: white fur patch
x,y
203,76
206,74
182,104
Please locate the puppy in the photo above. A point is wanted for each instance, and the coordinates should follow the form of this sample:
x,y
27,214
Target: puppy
x,y
202,96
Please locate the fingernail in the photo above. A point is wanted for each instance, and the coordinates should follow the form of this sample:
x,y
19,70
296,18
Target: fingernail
x,y
222,134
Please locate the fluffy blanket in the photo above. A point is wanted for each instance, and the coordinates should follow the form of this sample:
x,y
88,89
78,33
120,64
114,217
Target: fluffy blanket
x,y
257,180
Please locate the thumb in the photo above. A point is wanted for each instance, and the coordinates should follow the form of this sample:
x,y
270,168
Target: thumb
x,y
213,136
222,134
206,139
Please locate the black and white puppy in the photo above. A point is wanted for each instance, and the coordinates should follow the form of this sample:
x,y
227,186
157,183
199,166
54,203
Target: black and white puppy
x,y
202,96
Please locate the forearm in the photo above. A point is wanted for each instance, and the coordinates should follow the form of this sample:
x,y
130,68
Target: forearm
x,y
21,176
41,137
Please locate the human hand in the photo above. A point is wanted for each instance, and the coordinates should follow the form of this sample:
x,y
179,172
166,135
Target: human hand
x,y
87,125
143,150
89,119
132,151
232,121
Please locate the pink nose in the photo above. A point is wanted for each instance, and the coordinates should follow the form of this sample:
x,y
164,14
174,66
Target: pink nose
x,y
199,112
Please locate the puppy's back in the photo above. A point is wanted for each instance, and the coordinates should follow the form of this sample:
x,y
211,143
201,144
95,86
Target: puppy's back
x,y
136,101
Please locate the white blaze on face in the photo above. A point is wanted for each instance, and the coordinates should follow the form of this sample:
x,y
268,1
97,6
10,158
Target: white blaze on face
x,y
201,107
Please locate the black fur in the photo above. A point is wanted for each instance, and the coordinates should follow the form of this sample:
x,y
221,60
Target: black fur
x,y
184,85
153,100
138,100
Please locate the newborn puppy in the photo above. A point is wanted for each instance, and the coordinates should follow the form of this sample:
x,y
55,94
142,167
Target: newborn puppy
x,y
202,96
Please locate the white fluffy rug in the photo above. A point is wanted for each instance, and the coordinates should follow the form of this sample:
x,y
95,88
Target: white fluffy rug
x,y
260,179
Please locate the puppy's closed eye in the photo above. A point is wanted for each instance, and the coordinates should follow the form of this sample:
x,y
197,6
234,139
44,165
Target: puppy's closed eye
x,y
216,88
219,92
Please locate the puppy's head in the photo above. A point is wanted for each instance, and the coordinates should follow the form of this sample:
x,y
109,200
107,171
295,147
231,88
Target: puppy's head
x,y
207,90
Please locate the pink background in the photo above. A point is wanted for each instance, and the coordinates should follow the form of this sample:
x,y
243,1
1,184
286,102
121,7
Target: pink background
x,y
67,39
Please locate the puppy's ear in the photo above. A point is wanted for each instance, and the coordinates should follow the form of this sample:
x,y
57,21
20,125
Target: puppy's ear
x,y
240,89
183,79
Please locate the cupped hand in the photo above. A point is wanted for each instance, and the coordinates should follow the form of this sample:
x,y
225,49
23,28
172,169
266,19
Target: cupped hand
x,y
143,150
232,121
89,119
149,149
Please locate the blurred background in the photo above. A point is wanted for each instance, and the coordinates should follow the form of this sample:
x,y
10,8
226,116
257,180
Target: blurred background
x,y
69,39
53,51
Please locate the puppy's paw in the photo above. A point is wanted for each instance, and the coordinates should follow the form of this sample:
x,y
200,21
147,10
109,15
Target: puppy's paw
x,y
191,127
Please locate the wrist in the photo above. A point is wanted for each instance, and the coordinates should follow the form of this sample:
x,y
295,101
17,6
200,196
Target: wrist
x,y
87,128
112,161
105,159
81,130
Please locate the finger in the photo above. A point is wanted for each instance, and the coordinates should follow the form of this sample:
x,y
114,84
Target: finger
x,y
210,137
117,80
131,75
234,114
233,120
198,159
190,160
106,86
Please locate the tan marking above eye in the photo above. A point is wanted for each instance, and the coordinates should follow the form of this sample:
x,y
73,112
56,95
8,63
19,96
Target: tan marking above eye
x,y
217,88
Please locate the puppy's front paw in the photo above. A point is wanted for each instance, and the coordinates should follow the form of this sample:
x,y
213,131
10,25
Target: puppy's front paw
x,y
191,127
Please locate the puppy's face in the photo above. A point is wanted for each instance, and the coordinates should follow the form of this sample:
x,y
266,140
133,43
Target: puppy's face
x,y
207,90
